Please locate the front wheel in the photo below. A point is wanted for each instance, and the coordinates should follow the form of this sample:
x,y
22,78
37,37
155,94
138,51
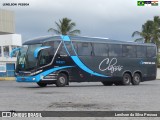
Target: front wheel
x,y
61,80
136,79
126,79
40,84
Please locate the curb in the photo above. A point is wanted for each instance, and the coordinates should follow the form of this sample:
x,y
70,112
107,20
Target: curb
x,y
7,78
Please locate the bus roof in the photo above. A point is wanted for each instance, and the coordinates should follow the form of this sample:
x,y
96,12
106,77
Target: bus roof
x,y
82,39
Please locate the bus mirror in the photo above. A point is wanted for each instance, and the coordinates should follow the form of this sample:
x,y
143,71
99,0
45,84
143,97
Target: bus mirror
x,y
37,50
14,51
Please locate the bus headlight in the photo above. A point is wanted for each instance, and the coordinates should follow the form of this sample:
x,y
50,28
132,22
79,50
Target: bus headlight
x,y
33,78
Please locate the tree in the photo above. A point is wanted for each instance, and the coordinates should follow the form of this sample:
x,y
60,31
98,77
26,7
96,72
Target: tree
x,y
156,30
150,31
145,33
65,27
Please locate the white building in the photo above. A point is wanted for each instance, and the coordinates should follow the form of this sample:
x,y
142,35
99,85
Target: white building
x,y
8,41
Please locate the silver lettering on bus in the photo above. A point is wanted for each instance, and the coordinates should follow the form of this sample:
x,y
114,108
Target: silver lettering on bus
x,y
110,65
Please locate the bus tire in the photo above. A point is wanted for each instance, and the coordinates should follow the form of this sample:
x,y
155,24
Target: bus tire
x,y
40,84
61,80
107,83
136,79
126,79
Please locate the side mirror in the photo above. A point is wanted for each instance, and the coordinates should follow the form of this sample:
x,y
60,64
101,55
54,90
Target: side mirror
x,y
13,51
37,50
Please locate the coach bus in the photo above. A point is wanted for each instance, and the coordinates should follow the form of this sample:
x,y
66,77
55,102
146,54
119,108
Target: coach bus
x,y
62,59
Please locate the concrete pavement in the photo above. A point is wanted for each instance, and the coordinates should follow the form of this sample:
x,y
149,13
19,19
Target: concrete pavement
x,y
158,73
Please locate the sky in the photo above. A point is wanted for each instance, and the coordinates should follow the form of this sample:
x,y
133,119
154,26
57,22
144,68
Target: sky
x,y
114,19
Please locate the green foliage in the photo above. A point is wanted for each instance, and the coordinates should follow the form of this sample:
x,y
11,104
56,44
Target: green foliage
x,y
158,60
150,31
65,27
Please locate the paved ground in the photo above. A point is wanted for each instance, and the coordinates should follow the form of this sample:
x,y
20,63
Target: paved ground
x,y
158,73
80,96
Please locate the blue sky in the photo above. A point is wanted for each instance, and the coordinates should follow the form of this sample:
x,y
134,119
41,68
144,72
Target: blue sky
x,y
115,19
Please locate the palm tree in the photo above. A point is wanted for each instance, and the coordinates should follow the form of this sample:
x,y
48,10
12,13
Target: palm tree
x,y
146,32
156,30
65,27
150,31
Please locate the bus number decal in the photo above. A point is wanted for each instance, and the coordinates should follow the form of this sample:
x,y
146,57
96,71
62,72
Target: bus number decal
x,y
110,65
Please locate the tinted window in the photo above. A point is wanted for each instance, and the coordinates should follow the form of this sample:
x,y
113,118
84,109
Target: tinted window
x,y
68,47
151,51
141,51
115,50
100,49
46,55
49,43
129,51
84,49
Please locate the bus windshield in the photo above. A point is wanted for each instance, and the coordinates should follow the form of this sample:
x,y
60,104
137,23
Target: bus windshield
x,y
26,60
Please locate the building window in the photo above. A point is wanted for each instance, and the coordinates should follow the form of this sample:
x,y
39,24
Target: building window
x,y
6,51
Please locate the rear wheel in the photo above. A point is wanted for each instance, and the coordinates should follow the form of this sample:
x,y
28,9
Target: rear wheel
x,y
107,83
61,80
40,84
136,79
126,79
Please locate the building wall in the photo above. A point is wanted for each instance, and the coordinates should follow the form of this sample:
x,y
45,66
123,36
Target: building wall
x,y
7,25
8,42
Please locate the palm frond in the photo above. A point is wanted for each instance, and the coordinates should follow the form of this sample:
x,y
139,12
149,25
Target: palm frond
x,y
139,40
136,33
65,26
74,32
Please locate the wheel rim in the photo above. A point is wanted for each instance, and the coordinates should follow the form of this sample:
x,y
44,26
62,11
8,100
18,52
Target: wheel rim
x,y
137,78
126,79
62,80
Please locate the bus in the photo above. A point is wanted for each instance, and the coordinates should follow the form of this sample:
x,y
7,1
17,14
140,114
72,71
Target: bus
x,y
62,59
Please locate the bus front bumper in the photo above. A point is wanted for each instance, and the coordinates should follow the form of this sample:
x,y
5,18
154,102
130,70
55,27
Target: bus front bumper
x,y
28,79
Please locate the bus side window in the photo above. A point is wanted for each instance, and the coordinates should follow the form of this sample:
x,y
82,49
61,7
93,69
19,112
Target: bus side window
x,y
115,50
62,50
67,47
151,51
129,51
141,51
84,49
45,57
100,49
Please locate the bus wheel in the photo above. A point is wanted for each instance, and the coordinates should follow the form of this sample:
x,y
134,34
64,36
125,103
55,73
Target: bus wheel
x,y
61,80
107,83
136,79
40,84
126,79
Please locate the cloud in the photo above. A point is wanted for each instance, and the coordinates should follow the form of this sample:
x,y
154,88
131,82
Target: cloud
x,y
103,18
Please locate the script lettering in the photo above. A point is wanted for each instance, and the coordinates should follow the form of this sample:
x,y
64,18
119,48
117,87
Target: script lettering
x,y
110,65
